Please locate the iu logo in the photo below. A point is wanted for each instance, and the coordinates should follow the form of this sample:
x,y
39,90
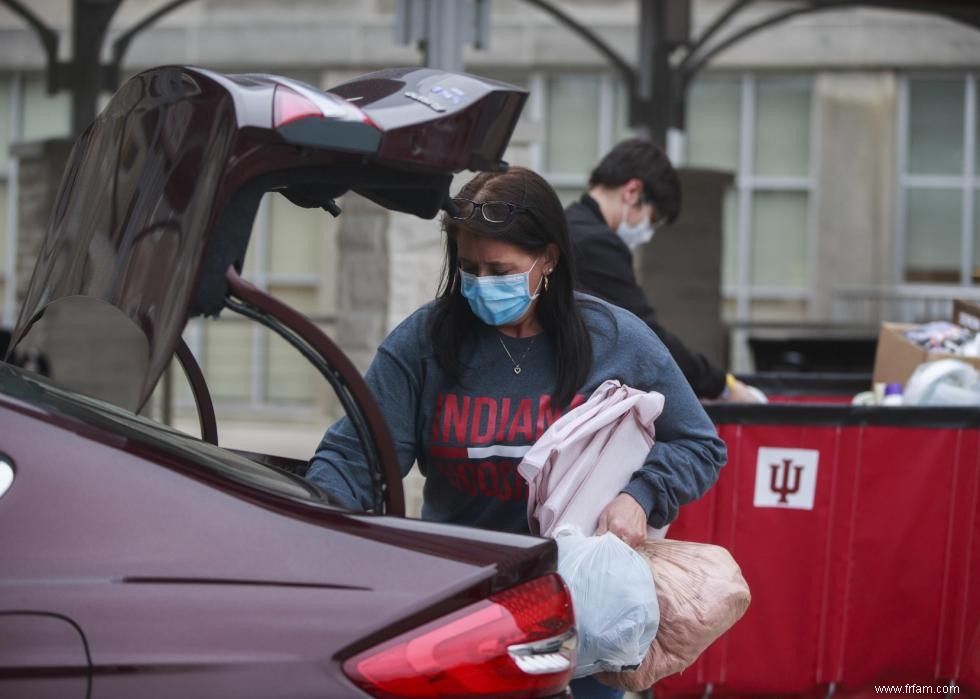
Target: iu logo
x,y
786,478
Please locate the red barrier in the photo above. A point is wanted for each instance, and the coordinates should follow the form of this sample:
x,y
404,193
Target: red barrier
x,y
859,534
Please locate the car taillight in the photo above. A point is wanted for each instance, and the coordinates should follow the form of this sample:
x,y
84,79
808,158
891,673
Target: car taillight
x,y
518,643
289,106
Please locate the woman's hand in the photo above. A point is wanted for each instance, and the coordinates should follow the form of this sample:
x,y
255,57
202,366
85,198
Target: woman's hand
x,y
624,518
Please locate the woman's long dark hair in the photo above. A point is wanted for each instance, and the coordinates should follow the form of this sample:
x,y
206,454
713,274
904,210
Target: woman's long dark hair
x,y
532,231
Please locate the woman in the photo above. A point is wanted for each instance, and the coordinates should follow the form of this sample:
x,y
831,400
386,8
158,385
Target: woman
x,y
469,381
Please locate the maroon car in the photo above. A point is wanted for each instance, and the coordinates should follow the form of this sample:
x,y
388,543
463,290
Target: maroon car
x,y
137,561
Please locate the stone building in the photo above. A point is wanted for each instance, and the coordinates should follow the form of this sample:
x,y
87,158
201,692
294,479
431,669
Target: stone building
x,y
852,137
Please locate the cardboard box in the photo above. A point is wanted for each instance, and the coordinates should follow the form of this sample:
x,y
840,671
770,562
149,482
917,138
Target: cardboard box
x,y
896,357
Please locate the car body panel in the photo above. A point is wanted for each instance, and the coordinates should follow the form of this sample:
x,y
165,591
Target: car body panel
x,y
203,568
42,656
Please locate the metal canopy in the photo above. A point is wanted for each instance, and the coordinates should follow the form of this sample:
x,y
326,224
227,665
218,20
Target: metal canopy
x,y
84,75
669,58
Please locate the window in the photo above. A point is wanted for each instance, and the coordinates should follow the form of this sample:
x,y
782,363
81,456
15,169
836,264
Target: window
x,y
44,115
939,190
583,116
242,360
758,127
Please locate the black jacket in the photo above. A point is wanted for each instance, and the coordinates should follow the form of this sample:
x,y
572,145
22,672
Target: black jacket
x,y
605,269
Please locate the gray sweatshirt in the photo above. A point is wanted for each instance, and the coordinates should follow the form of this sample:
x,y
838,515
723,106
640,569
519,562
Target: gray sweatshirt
x,y
468,439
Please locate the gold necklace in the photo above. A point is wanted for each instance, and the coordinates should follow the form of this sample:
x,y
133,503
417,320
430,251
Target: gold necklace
x,y
517,365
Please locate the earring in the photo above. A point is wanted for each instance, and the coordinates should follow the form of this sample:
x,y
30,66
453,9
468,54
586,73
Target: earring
x,y
546,283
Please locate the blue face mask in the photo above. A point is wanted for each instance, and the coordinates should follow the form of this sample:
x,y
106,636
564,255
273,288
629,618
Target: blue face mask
x,y
498,300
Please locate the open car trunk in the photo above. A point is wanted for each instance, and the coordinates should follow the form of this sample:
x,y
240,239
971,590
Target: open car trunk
x,y
156,206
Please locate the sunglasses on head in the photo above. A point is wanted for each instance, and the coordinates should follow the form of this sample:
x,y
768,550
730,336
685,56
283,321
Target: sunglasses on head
x,y
497,212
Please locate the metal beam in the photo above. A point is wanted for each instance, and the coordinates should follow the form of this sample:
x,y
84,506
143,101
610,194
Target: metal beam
x,y
594,40
85,78
443,39
691,66
47,36
122,42
693,62
652,100
716,25
441,28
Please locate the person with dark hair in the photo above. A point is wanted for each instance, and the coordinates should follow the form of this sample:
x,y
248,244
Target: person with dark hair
x,y
633,191
472,379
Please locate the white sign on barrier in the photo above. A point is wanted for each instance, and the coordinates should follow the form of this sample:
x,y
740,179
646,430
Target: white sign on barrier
x,y
786,478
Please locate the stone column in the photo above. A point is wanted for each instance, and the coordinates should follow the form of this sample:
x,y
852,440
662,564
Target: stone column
x,y
363,281
388,264
40,166
853,194
680,269
416,250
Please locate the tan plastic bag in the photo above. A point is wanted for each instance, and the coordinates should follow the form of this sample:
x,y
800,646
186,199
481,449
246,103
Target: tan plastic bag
x,y
701,593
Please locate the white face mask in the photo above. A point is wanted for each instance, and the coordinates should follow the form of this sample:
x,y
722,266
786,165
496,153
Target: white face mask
x,y
637,234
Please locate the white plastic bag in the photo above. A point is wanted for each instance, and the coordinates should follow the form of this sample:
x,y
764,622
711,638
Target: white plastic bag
x,y
614,597
943,382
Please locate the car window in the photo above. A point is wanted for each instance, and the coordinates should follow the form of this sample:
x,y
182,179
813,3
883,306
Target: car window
x,y
34,390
